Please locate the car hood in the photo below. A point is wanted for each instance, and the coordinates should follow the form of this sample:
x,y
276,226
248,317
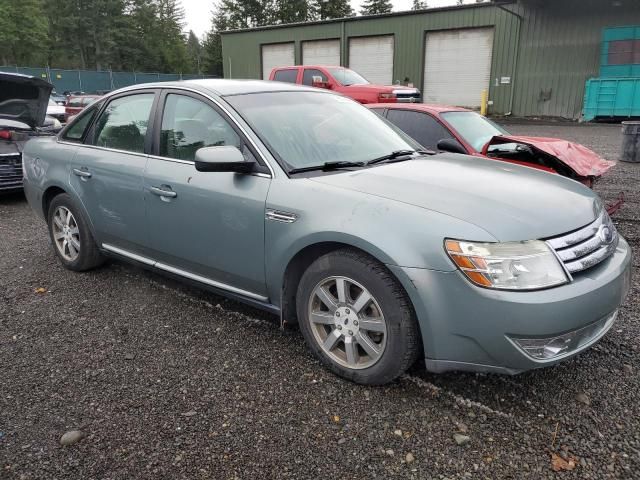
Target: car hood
x,y
510,202
24,98
585,162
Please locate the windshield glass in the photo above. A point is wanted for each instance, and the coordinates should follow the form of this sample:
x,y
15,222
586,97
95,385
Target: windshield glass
x,y
305,129
347,77
473,127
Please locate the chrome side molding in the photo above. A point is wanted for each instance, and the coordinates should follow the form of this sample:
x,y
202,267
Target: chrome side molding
x,y
183,273
279,216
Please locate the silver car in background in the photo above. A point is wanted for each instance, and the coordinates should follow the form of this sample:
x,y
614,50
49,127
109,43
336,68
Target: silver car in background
x,y
306,204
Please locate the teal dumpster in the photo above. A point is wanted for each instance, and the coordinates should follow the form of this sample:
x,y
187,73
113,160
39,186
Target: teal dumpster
x,y
612,98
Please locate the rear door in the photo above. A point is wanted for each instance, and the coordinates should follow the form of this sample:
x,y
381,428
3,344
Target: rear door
x,y
108,168
207,226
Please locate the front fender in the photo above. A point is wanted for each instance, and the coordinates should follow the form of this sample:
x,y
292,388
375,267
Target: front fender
x,y
395,233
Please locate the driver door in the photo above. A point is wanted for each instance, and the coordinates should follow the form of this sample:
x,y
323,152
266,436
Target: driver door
x,y
207,226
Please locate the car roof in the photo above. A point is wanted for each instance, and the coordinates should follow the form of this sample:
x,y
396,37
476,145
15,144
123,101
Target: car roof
x,y
224,87
420,107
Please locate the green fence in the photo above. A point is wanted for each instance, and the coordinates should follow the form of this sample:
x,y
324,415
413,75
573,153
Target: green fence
x,y
91,81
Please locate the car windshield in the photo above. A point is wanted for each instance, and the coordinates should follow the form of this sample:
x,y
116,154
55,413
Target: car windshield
x,y
51,102
347,77
474,128
307,129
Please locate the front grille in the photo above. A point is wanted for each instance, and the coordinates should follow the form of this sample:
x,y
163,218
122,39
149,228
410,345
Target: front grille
x,y
588,246
10,171
410,96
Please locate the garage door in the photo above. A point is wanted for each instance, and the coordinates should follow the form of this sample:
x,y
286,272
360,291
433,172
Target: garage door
x,y
372,57
321,52
457,66
277,55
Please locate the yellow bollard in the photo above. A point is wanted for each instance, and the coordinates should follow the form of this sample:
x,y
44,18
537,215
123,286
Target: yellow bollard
x,y
484,100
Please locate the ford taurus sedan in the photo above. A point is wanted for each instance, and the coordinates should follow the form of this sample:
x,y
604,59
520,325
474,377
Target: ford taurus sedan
x,y
307,204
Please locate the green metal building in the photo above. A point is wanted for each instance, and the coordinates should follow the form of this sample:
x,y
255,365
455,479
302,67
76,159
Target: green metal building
x,y
533,56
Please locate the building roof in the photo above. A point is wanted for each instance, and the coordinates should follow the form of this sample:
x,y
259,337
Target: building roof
x,y
366,17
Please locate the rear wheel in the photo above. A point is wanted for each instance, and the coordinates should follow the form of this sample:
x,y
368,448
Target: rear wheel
x,y
72,240
356,318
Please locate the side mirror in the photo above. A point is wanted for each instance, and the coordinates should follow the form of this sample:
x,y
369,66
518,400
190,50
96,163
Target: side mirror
x,y
318,82
222,159
451,145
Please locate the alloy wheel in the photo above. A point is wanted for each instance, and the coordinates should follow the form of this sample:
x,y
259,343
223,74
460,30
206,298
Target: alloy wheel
x,y
347,322
66,234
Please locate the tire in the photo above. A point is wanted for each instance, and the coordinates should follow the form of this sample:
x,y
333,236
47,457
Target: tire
x,y
80,252
368,341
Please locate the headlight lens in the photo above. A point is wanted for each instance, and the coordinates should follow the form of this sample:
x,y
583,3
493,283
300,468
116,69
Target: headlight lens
x,y
511,266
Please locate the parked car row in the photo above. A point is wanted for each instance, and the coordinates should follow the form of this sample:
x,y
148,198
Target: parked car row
x,y
309,205
24,102
454,129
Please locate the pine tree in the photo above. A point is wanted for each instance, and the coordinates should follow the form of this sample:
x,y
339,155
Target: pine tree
x,y
326,9
23,31
291,11
212,45
194,53
419,5
373,7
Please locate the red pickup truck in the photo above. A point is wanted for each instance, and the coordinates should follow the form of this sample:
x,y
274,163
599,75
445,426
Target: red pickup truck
x,y
345,81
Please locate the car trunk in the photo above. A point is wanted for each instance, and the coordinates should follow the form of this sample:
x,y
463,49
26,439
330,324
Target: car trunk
x,y
24,99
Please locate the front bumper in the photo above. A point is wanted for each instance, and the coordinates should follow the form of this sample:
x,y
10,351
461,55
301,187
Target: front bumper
x,y
465,327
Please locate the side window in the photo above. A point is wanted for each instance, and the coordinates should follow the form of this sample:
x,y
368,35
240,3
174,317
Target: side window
x,y
309,73
78,128
379,111
288,75
123,124
189,124
422,127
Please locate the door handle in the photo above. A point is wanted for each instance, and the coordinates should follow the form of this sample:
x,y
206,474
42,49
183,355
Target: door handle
x,y
84,174
163,193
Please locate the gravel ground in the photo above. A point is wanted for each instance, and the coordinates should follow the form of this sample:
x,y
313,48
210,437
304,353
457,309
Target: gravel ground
x,y
172,382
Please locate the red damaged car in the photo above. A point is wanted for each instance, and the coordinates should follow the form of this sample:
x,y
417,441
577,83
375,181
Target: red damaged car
x,y
459,130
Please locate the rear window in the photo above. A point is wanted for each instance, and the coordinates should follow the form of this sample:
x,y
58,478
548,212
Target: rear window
x,y
289,75
75,102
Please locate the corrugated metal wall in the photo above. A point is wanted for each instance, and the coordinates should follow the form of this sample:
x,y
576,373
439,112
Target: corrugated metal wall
x,y
241,50
548,55
560,49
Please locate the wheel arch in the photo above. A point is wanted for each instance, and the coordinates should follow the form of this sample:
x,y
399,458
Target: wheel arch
x,y
304,256
47,197
52,191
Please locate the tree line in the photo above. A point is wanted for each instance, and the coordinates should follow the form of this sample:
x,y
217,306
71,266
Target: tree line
x,y
145,35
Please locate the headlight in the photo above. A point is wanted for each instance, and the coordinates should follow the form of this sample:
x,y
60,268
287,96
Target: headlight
x,y
511,266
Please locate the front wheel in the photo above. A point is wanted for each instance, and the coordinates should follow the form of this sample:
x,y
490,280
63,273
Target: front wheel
x,y
356,318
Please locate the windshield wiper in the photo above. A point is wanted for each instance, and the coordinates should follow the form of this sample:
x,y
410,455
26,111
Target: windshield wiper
x,y
325,167
396,155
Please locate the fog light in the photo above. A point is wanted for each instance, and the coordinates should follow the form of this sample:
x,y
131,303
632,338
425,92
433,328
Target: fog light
x,y
553,347
544,348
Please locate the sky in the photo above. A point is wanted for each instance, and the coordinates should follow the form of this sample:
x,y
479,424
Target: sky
x,y
198,12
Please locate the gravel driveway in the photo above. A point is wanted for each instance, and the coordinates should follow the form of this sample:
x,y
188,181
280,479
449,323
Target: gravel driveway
x,y
172,382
